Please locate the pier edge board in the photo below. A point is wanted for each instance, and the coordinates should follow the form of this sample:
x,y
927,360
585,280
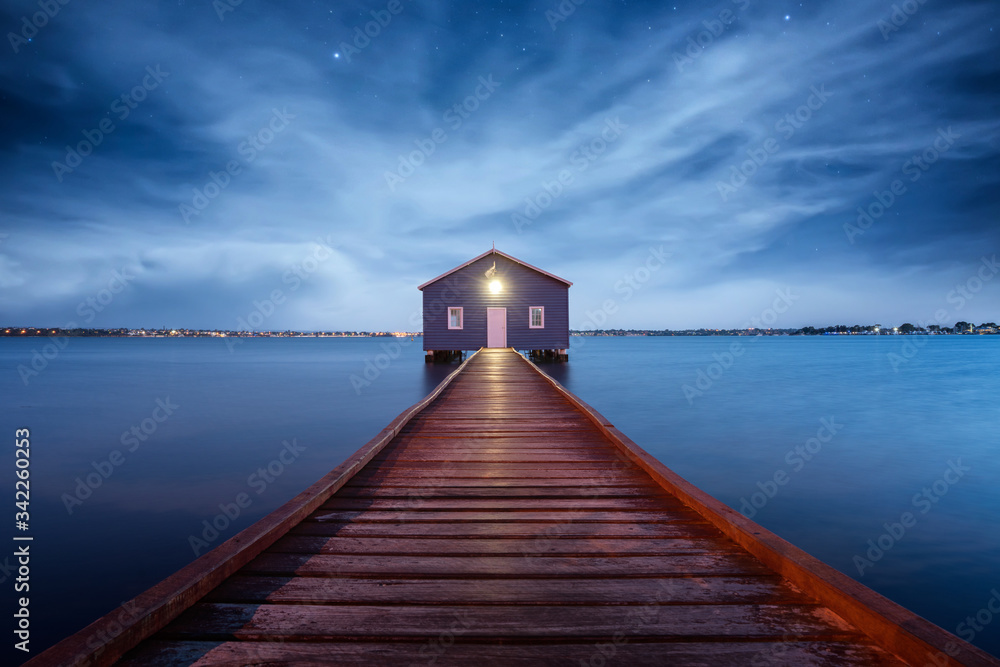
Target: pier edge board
x,y
150,611
896,629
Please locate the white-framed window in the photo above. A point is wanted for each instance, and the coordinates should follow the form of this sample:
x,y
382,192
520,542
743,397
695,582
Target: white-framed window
x,y
536,317
455,317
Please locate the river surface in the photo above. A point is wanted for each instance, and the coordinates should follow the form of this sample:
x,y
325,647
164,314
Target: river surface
x,y
827,441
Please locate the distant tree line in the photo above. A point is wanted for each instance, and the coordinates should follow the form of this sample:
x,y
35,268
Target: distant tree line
x,y
905,328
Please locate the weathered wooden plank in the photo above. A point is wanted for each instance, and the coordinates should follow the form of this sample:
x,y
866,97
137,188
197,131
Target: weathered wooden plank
x,y
562,421
510,466
471,410
508,516
505,443
501,486
680,590
506,530
540,545
546,456
315,565
440,652
571,504
588,477
500,431
495,426
596,623
476,441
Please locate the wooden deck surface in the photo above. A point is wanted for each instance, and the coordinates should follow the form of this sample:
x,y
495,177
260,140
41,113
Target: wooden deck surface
x,y
502,526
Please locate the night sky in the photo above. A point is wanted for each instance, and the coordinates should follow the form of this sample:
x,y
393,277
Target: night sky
x,y
179,162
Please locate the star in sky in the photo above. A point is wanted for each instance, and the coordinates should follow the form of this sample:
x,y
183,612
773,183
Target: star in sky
x,y
699,96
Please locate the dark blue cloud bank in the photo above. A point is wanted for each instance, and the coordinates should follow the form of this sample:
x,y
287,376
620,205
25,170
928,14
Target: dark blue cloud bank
x,y
341,153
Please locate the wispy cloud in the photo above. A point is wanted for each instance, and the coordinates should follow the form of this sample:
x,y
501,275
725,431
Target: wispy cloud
x,y
688,130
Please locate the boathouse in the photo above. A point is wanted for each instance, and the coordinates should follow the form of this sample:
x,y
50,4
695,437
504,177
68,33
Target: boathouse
x,y
495,300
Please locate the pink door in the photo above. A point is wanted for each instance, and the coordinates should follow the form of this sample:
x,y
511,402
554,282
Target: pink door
x,y
496,327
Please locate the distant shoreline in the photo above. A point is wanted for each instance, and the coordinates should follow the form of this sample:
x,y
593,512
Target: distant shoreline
x,y
28,332
34,332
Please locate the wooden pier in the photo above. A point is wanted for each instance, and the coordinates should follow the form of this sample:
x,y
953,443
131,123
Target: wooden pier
x,y
503,521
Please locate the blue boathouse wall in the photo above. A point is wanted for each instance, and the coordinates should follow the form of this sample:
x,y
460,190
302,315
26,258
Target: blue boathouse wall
x,y
523,287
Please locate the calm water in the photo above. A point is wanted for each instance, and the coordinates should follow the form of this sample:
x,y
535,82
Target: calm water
x,y
900,419
235,409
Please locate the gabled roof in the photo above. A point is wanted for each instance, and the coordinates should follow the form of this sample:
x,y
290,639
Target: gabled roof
x,y
494,251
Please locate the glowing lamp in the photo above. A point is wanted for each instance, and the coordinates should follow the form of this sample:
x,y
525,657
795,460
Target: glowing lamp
x,y
495,286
